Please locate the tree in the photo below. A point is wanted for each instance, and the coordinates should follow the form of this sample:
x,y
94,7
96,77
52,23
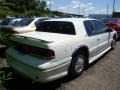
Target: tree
x,y
24,8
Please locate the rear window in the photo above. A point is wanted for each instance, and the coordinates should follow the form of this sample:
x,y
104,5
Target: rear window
x,y
61,27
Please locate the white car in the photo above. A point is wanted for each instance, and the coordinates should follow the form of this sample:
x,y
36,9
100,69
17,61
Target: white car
x,y
59,47
20,25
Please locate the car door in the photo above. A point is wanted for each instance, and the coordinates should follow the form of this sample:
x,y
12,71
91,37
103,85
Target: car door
x,y
92,38
103,36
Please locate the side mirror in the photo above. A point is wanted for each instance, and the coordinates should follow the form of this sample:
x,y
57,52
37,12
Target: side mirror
x,y
109,30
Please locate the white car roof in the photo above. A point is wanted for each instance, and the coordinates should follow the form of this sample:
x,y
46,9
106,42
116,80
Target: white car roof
x,y
71,19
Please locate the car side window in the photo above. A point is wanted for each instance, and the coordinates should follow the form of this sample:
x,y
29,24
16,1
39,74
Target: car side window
x,y
89,28
100,27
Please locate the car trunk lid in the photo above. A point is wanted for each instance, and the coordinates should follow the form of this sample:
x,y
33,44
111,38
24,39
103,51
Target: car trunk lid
x,y
39,39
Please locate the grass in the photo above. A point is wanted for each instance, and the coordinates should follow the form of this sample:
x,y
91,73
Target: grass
x,y
1,80
5,74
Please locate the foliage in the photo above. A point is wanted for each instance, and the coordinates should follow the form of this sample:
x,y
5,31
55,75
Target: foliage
x,y
23,8
4,38
5,75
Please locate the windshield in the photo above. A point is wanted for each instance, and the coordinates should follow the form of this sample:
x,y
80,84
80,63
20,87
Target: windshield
x,y
61,27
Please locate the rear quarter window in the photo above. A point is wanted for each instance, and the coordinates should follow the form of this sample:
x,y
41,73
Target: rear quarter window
x,y
61,27
89,28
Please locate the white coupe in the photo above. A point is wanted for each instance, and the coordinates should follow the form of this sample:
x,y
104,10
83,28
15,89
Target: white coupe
x,y
59,47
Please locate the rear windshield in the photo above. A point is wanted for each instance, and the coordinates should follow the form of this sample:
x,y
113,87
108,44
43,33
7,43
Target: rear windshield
x,y
56,27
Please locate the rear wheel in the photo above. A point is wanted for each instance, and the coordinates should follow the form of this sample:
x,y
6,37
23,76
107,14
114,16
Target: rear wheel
x,y
77,65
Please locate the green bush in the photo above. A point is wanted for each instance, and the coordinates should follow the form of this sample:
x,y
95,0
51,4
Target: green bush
x,y
5,75
4,38
2,14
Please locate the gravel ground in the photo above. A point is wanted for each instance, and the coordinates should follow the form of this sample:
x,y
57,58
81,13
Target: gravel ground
x,y
104,74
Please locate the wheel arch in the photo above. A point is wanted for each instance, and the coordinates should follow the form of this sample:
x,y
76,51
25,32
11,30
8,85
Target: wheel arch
x,y
83,48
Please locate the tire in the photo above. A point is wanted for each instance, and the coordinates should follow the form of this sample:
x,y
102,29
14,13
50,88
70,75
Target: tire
x,y
77,65
113,44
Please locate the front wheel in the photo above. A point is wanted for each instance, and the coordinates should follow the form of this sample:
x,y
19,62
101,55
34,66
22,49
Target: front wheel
x,y
113,44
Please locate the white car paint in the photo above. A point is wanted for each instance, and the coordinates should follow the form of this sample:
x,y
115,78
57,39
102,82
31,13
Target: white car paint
x,y
44,70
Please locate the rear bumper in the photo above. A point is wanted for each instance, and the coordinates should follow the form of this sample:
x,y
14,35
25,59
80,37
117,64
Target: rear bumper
x,y
36,69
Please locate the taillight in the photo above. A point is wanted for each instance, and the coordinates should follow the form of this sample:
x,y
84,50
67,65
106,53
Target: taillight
x,y
42,52
11,32
46,53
